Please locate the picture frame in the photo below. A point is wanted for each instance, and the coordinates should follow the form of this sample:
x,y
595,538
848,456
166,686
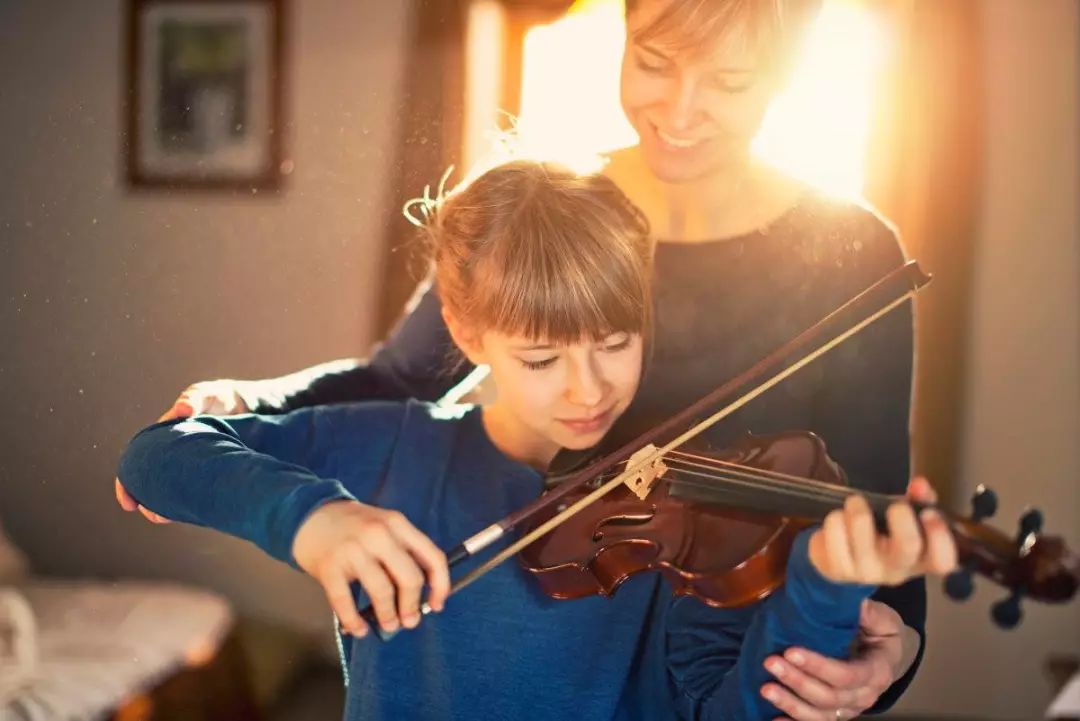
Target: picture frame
x,y
205,87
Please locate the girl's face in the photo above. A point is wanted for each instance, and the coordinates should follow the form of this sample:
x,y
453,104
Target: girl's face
x,y
696,110
559,396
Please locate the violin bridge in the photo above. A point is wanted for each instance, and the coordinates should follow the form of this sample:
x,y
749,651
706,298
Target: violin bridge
x,y
642,482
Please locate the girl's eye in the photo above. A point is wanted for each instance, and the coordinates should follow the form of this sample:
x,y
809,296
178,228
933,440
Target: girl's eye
x,y
618,345
540,364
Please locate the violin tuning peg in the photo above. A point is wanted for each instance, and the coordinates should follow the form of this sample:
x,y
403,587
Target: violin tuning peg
x,y
984,503
1030,523
1007,612
958,584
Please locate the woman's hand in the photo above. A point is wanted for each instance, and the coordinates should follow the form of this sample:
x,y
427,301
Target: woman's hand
x,y
848,549
219,398
345,541
813,687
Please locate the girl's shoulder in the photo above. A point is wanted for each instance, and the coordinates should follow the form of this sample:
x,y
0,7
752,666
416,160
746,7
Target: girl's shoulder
x,y
394,414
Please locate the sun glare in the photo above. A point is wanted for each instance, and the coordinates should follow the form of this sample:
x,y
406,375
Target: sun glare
x,y
816,130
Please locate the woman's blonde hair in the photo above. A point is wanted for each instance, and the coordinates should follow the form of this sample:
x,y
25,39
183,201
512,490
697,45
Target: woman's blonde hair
x,y
536,250
775,27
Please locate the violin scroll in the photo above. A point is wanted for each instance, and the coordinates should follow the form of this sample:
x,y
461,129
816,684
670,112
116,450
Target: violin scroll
x,y
1030,564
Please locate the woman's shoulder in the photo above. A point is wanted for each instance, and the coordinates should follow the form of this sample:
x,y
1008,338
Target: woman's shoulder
x,y
854,225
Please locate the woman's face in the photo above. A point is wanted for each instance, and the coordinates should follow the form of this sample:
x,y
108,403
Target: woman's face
x,y
562,396
696,110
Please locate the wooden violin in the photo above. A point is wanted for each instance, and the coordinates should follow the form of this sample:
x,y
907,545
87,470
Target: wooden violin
x,y
719,525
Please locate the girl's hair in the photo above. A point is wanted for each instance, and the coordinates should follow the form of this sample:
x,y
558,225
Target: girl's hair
x,y
775,27
536,250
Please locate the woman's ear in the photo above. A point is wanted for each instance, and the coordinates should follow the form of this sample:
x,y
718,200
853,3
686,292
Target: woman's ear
x,y
465,338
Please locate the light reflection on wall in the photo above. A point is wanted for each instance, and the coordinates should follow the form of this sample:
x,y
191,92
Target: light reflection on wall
x,y
816,130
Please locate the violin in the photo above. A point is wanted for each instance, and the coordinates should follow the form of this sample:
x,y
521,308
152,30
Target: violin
x,y
719,525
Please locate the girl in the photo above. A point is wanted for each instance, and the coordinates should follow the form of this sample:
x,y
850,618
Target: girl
x,y
545,277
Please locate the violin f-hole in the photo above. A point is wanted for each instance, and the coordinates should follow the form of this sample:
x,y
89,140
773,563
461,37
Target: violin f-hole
x,y
626,519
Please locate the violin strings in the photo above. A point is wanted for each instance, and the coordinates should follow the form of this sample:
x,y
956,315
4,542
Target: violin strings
x,y
767,480
756,479
710,485
801,480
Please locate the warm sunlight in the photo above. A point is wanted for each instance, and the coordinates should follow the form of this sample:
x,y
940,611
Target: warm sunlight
x,y
570,84
816,130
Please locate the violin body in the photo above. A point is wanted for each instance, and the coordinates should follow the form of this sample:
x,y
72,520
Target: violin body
x,y
724,555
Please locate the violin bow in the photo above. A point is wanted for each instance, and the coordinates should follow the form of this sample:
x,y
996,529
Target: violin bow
x,y
883,296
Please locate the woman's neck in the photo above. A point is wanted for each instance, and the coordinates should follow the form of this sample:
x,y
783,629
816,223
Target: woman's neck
x,y
728,204
516,441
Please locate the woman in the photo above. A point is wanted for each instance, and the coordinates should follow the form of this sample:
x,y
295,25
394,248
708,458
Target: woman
x,y
746,258
368,492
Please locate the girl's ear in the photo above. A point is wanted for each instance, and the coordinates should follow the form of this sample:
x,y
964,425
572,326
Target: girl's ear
x,y
465,338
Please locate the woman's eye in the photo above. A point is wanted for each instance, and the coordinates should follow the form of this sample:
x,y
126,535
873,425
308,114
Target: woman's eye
x,y
733,86
650,66
540,364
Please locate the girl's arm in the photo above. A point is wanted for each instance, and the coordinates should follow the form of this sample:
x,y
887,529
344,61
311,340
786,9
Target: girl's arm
x,y
716,656
251,476
269,480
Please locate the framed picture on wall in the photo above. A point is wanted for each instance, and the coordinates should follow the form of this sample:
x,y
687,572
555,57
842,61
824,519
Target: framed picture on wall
x,y
204,94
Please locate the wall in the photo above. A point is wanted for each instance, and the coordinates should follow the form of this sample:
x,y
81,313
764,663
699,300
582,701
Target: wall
x,y
111,302
1022,420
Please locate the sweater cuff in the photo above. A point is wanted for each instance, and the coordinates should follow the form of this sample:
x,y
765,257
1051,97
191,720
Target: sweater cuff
x,y
815,597
295,509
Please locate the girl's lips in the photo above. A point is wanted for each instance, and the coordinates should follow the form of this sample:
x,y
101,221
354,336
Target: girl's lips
x,y
587,425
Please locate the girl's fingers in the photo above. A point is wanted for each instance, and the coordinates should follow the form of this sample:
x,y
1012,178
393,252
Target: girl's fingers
x,y
124,498
153,517
862,538
403,571
377,585
904,545
940,556
335,584
428,555
837,547
921,491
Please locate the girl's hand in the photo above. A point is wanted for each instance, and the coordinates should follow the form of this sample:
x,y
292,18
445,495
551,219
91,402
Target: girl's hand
x,y
343,541
848,548
219,398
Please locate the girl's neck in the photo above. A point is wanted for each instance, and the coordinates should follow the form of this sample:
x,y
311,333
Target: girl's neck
x,y
744,198
516,441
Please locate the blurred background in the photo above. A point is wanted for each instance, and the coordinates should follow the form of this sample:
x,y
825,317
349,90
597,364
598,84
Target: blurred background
x,y
260,232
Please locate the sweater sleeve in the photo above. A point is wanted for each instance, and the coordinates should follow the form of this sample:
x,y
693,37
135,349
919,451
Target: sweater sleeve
x,y
715,656
252,476
418,360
